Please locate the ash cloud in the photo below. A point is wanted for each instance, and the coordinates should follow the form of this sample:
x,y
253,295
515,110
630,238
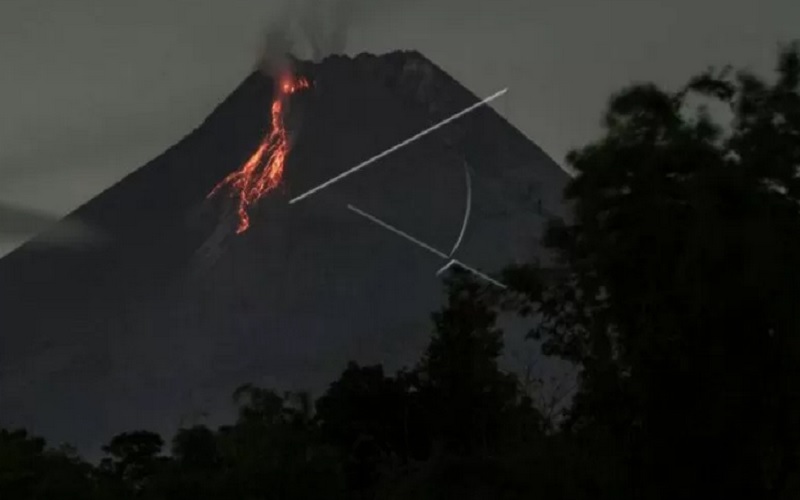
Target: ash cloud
x,y
51,230
314,29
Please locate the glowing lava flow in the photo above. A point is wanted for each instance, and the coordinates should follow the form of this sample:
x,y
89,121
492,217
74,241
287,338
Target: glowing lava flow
x,y
263,171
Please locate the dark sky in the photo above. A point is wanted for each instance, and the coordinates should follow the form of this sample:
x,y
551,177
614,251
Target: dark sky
x,y
92,89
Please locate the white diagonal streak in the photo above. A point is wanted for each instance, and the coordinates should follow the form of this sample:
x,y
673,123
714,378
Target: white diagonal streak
x,y
397,231
397,146
427,247
478,273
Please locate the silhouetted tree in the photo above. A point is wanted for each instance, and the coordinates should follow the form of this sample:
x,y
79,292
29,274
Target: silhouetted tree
x,y
135,459
28,469
195,471
364,414
363,403
680,298
273,451
470,399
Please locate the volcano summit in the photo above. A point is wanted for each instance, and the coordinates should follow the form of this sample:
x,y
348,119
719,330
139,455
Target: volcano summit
x,y
177,309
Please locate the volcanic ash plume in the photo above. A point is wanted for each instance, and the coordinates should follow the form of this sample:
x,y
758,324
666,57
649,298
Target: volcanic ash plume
x,y
314,29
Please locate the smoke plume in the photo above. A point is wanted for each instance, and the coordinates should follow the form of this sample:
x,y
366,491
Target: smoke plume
x,y
313,29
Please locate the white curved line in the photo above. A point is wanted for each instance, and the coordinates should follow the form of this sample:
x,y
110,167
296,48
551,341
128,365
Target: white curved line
x,y
453,262
466,212
445,267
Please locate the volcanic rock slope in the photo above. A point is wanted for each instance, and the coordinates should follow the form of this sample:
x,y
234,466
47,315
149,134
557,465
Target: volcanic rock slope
x,y
176,310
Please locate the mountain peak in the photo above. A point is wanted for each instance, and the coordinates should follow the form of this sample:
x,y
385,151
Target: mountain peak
x,y
176,310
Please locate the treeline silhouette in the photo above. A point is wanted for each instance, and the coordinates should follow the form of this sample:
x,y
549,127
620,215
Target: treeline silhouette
x,y
674,291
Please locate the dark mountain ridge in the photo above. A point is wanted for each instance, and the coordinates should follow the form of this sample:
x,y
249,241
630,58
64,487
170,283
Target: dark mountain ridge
x,y
175,310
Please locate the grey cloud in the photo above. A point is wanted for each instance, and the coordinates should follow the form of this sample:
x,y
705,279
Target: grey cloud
x,y
16,221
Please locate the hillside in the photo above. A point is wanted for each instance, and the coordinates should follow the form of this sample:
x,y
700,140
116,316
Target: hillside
x,y
176,310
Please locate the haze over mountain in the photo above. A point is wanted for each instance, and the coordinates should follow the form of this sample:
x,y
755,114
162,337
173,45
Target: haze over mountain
x,y
175,310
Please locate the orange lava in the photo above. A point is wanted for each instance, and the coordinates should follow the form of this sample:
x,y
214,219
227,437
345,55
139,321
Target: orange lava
x,y
263,171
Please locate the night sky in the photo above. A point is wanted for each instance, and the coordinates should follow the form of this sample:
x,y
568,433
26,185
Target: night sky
x,y
92,89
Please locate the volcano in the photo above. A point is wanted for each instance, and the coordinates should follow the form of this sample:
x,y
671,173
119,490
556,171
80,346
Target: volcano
x,y
178,307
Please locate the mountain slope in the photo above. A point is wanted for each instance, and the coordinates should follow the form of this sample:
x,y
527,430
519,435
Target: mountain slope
x,y
176,310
